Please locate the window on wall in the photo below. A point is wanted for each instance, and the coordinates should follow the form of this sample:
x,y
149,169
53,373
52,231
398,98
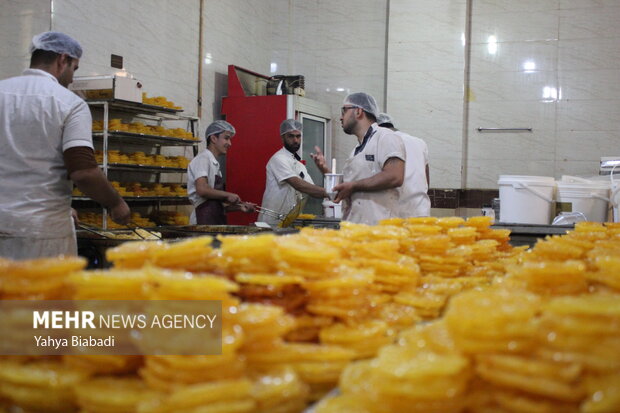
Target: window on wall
x,y
313,135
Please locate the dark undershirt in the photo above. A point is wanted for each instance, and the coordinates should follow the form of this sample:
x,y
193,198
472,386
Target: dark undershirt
x,y
79,158
364,141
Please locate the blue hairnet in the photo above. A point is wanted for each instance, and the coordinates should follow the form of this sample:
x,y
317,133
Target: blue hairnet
x,y
218,127
56,42
384,118
363,101
289,125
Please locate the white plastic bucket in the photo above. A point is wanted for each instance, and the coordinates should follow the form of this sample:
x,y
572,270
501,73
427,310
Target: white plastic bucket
x,y
591,198
614,197
526,199
615,200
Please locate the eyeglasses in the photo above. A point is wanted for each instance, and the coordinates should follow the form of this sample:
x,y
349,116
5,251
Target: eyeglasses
x,y
345,108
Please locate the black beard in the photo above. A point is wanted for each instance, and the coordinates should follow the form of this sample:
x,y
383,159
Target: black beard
x,y
348,129
292,148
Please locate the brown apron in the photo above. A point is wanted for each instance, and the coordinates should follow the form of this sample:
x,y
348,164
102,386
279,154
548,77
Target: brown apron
x,y
211,212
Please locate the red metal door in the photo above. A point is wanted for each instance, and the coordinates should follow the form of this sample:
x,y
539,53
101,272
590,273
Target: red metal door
x,y
257,122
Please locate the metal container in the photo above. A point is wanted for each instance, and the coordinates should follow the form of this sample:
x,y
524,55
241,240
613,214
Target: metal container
x,y
107,87
218,229
331,180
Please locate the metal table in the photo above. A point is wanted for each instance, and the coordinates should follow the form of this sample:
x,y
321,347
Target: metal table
x,y
529,234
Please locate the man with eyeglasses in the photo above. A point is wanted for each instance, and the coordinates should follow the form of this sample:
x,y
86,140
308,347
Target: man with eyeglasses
x,y
376,168
287,176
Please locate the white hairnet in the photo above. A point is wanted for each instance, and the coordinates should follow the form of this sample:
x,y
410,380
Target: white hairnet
x,y
289,125
384,118
218,127
363,101
56,42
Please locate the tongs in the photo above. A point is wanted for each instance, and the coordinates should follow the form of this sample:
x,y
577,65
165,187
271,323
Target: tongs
x,y
93,230
135,227
269,212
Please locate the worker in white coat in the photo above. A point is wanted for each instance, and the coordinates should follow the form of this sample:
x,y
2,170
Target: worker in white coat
x,y
376,168
414,200
287,177
205,185
45,145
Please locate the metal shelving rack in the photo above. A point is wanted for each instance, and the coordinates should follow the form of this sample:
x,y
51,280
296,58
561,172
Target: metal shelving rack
x,y
156,114
142,168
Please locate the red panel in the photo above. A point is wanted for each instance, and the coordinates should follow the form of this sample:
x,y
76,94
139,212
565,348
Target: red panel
x,y
257,122
234,85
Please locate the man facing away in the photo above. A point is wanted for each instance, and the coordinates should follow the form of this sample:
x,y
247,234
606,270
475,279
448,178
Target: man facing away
x,y
376,168
414,200
287,176
45,143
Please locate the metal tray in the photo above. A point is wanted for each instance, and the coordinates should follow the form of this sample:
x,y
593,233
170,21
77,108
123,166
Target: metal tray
x,y
154,139
84,234
220,229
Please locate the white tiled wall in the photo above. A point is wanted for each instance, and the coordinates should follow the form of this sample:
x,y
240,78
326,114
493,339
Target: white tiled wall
x,y
568,94
426,62
506,37
158,40
20,20
589,76
236,32
340,47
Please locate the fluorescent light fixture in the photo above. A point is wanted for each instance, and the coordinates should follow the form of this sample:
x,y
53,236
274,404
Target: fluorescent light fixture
x,y
492,44
529,66
550,93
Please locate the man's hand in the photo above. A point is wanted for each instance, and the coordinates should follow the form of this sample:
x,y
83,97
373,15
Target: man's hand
x,y
232,199
241,206
391,176
120,213
344,191
94,183
247,207
319,160
306,187
74,215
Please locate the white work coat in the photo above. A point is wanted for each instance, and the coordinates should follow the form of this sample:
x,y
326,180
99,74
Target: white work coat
x,y
204,165
371,207
279,195
39,120
414,200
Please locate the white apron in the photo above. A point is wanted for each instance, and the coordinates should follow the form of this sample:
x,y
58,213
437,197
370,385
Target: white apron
x,y
371,207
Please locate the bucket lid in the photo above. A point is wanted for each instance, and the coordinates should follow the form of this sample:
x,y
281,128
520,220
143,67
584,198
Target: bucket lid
x,y
527,179
589,186
578,179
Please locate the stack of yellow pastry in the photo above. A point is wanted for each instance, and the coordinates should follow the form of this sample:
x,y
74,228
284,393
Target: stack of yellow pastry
x,y
169,218
140,158
159,101
117,124
129,189
507,330
95,219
